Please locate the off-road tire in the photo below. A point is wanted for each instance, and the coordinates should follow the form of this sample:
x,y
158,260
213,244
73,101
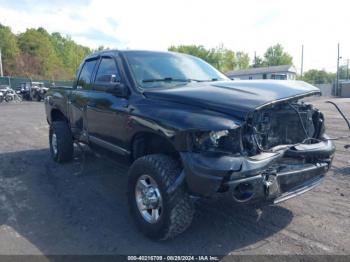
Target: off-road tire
x,y
178,209
65,147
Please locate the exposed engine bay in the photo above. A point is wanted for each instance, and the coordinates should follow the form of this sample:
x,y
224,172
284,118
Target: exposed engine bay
x,y
286,123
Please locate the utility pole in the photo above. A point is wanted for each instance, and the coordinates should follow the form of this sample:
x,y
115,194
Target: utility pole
x,y
254,58
337,80
239,58
347,69
1,70
302,62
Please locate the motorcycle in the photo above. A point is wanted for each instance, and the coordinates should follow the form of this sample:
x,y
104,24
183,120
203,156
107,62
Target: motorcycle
x,y
3,90
32,91
24,92
12,96
38,92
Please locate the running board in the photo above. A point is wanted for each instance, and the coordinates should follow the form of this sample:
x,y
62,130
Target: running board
x,y
108,145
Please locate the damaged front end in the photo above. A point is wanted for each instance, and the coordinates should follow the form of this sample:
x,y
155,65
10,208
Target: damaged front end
x,y
280,151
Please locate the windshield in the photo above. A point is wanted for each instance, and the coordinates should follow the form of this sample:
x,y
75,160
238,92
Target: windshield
x,y
156,69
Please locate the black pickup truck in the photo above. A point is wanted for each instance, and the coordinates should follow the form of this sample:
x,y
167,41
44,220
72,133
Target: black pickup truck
x,y
190,132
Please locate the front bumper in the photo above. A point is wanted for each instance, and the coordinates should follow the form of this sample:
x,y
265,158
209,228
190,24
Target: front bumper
x,y
272,177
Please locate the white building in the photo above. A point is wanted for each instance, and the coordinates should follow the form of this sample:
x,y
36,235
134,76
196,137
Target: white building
x,y
282,72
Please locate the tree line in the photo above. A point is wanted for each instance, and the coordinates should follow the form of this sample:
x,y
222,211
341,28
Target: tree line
x,y
38,54
227,60
314,76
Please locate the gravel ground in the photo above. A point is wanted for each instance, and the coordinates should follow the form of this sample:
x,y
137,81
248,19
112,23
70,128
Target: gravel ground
x,y
47,208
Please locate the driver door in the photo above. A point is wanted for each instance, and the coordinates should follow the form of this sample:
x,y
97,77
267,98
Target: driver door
x,y
106,111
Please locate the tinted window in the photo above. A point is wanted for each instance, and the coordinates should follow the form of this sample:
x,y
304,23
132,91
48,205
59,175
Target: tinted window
x,y
107,71
85,75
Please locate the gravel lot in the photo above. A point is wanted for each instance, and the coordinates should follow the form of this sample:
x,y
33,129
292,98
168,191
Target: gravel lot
x,y
47,208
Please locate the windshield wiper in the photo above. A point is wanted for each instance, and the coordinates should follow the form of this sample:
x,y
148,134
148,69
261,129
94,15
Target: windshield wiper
x,y
170,79
165,79
210,80
205,80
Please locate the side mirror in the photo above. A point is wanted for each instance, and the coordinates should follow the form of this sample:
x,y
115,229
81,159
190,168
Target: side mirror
x,y
118,89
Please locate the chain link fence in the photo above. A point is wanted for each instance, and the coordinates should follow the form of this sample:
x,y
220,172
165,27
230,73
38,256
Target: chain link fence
x,y
15,82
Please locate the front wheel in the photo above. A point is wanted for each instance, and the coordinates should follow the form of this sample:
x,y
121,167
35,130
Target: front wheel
x,y
160,210
8,99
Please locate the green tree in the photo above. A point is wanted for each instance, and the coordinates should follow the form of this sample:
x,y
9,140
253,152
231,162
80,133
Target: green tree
x,y
243,60
40,57
343,72
69,53
195,50
259,62
229,61
38,54
314,76
220,57
275,55
9,49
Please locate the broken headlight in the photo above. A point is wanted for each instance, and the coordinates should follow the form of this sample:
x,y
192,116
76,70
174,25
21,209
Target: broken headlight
x,y
224,141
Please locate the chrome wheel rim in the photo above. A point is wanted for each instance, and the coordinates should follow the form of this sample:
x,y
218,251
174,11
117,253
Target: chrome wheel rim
x,y
54,143
148,199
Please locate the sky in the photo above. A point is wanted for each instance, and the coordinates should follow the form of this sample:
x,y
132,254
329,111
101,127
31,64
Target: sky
x,y
250,25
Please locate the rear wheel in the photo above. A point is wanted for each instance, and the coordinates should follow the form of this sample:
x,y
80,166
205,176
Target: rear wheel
x,y
8,98
61,142
160,211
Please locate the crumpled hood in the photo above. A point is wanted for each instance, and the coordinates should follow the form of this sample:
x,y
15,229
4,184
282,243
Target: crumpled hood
x,y
236,98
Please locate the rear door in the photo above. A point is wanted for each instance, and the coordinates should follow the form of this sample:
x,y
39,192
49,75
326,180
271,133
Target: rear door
x,y
107,112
